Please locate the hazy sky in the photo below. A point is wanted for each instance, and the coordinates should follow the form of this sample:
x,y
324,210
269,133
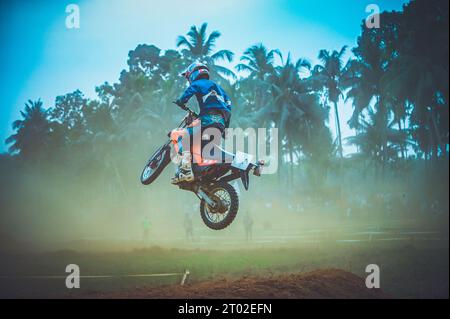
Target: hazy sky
x,y
41,58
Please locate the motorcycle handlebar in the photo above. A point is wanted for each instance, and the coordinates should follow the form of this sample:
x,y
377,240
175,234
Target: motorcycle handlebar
x,y
185,108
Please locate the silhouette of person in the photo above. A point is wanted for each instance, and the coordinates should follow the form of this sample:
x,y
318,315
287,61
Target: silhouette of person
x,y
248,225
188,227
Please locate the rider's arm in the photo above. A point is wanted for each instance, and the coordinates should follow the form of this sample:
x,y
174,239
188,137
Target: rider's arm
x,y
225,97
190,91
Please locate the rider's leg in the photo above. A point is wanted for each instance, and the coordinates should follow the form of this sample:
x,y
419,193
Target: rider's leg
x,y
213,127
211,142
193,139
184,171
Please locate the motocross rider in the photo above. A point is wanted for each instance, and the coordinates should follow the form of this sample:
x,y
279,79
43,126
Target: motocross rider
x,y
215,111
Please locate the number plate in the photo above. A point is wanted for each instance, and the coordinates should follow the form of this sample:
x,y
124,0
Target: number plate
x,y
242,160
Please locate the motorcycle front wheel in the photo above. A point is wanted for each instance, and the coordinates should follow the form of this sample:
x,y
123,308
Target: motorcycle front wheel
x,y
155,165
226,208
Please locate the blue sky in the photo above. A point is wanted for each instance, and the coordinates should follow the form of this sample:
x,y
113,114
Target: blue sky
x,y
41,58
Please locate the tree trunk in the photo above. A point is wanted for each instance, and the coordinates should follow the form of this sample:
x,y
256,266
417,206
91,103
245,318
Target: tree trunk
x,y
438,141
435,149
432,136
280,164
338,128
384,138
399,122
406,147
291,157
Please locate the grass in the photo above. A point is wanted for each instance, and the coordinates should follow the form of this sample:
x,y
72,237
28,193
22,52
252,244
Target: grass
x,y
408,270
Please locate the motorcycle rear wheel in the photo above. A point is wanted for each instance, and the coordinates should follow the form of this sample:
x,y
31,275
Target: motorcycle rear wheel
x,y
228,204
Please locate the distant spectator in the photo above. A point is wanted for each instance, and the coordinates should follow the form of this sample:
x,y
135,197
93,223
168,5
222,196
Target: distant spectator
x,y
435,207
348,212
188,227
248,226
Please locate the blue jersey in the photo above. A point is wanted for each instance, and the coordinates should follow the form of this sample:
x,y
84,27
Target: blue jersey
x,y
210,97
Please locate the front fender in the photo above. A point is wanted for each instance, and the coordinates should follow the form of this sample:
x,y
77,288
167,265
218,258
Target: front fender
x,y
245,178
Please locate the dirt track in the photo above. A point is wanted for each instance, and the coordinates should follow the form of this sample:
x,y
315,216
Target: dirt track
x,y
329,283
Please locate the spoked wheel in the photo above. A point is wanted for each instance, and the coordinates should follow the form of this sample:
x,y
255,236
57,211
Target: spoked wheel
x,y
155,165
225,210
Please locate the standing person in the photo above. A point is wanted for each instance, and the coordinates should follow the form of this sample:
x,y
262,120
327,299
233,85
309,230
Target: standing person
x,y
188,227
145,229
248,225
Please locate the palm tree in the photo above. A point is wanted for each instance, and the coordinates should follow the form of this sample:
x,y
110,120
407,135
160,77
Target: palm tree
x,y
258,61
197,45
378,140
289,93
329,74
419,72
363,76
401,109
32,131
241,108
294,105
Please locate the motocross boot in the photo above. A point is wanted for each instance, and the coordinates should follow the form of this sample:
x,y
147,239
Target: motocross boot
x,y
184,171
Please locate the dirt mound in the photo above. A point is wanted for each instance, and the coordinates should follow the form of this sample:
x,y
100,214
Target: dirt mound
x,y
328,283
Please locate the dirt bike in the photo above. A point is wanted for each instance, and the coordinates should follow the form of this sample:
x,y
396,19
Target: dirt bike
x,y
219,200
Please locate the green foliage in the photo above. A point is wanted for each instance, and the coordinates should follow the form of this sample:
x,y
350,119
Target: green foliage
x,y
397,82
33,131
197,45
402,67
328,76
